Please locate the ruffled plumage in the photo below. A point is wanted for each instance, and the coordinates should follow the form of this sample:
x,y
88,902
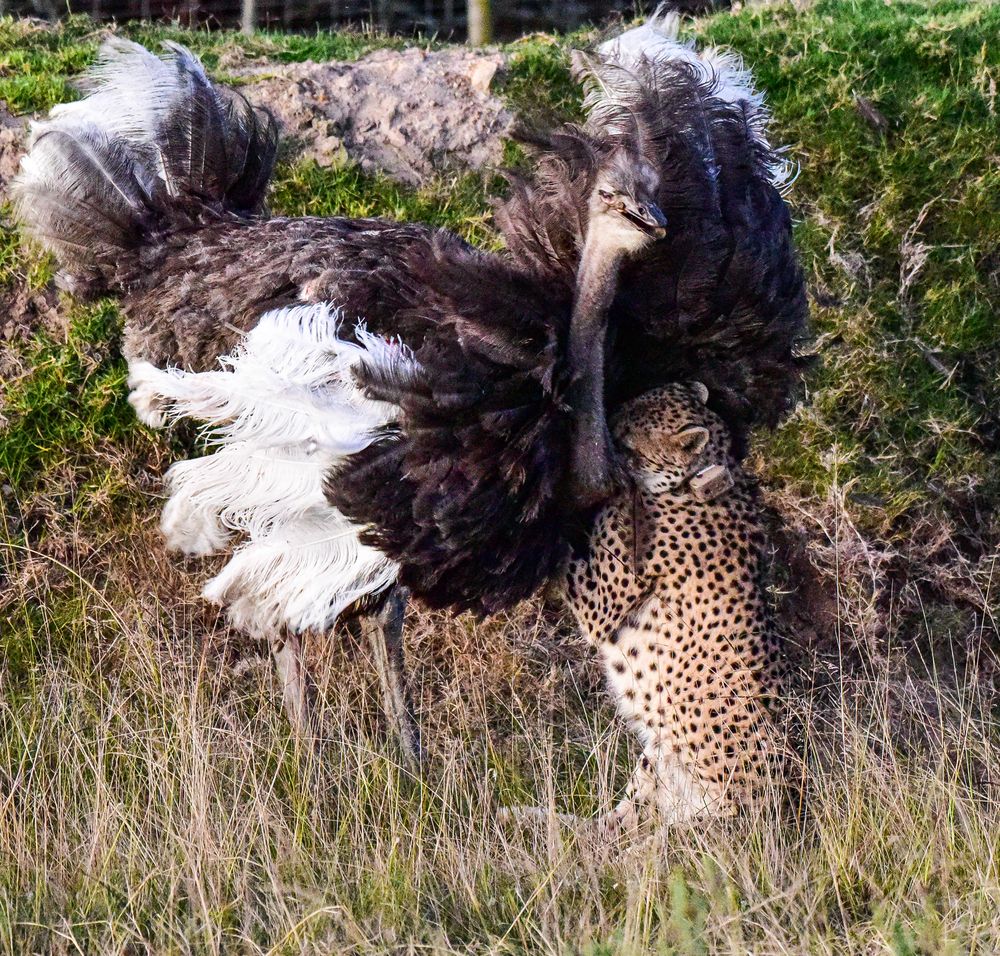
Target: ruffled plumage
x,y
153,185
720,300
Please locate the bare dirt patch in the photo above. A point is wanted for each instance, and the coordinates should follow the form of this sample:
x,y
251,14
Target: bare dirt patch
x,y
410,113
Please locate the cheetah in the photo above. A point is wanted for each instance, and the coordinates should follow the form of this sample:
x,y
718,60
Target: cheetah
x,y
669,590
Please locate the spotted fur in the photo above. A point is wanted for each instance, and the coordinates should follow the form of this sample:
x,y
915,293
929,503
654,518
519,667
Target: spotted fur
x,y
670,590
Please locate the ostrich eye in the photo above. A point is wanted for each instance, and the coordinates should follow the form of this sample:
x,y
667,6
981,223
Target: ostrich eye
x,y
605,195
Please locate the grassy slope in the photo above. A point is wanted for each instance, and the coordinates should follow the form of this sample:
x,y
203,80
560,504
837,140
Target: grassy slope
x,y
868,199
158,799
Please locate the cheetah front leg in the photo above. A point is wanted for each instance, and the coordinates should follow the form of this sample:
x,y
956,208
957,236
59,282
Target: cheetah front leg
x,y
661,790
634,808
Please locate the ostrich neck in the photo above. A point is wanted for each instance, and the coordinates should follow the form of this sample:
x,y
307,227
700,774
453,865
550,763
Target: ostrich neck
x,y
597,279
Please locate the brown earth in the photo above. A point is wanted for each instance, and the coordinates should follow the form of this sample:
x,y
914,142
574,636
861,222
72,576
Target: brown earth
x,y
13,133
410,113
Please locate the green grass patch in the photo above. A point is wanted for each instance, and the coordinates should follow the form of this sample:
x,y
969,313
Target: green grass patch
x,y
461,203
72,402
20,265
537,85
898,228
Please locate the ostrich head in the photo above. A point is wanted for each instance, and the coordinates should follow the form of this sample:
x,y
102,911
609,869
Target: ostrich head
x,y
623,210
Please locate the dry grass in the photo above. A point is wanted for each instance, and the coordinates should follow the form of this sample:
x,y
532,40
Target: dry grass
x,y
152,800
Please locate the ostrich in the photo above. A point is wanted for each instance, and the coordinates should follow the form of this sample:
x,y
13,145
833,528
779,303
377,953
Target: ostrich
x,y
264,586
454,439
131,196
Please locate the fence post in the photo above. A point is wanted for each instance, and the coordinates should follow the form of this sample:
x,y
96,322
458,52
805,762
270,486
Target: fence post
x,y
480,22
248,18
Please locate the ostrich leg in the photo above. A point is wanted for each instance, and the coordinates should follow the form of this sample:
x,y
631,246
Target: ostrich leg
x,y
297,691
384,632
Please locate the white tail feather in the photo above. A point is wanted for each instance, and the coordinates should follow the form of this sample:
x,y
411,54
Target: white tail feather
x,y
285,410
301,575
290,381
240,488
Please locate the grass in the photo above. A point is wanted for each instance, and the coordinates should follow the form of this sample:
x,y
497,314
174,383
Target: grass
x,y
154,801
460,203
900,233
151,799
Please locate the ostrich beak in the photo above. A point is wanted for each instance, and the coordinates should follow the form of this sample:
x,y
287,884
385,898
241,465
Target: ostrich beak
x,y
648,217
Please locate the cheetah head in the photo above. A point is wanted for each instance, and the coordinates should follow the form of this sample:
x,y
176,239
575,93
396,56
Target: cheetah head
x,y
670,440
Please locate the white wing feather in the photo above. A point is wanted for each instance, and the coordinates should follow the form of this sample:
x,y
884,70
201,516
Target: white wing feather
x,y
284,410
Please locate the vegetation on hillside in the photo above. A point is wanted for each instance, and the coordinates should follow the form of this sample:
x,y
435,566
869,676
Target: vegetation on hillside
x,y
150,796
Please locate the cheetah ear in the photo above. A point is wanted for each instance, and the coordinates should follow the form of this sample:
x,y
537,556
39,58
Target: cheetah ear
x,y
692,440
701,390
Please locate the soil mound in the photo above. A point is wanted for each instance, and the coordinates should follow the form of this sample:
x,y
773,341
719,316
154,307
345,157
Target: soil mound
x,y
410,113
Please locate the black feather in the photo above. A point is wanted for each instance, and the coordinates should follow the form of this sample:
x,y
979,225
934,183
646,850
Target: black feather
x,y
467,487
103,200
